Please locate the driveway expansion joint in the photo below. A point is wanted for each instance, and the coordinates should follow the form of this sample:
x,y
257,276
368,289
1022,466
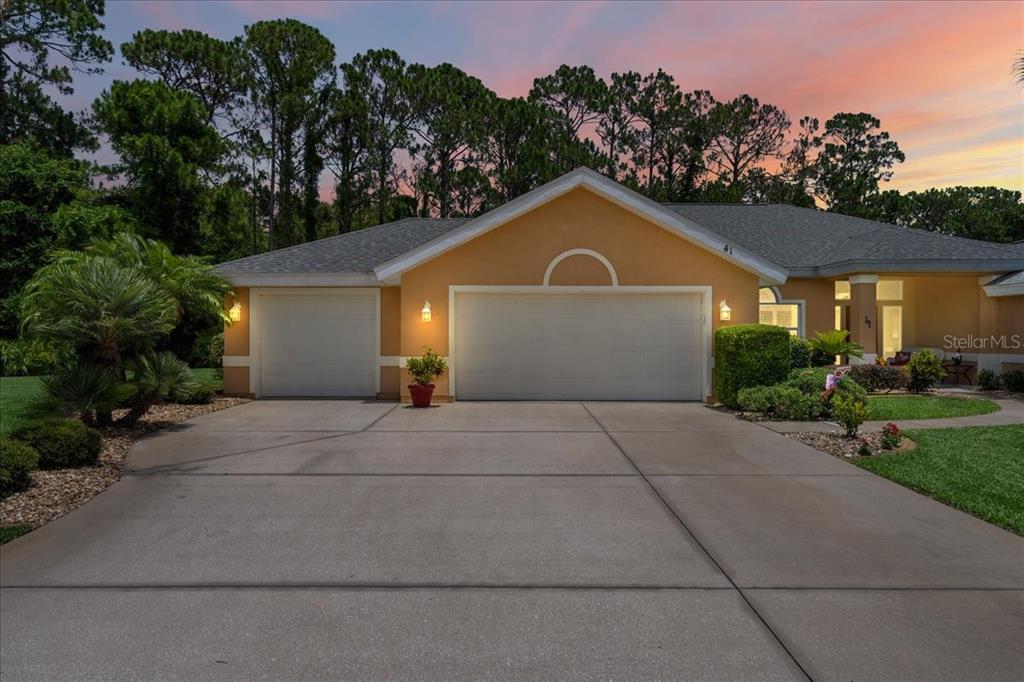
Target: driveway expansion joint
x,y
672,511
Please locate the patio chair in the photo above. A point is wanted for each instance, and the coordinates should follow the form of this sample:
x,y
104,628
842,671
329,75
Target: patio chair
x,y
901,358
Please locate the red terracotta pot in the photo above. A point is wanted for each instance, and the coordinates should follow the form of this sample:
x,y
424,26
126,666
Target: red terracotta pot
x,y
421,394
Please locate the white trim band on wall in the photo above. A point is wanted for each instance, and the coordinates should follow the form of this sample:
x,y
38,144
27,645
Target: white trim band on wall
x,y
235,361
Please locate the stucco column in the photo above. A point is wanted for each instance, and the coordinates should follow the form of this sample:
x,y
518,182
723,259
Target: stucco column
x,y
863,311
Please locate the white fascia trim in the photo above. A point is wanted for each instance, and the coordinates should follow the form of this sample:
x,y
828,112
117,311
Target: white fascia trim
x,y
298,279
235,361
863,279
999,290
604,187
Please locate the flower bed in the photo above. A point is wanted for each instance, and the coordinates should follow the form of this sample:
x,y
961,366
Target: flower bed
x,y
840,446
55,492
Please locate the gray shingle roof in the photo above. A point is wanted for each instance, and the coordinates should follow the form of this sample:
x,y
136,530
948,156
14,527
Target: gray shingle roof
x,y
805,241
353,252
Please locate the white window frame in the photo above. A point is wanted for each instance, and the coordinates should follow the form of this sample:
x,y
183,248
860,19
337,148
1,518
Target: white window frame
x,y
800,303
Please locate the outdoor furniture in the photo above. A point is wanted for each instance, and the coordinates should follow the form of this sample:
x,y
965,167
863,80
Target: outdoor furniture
x,y
901,358
956,368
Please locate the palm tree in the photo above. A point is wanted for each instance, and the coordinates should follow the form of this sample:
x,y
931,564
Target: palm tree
x,y
825,346
107,312
115,302
1018,67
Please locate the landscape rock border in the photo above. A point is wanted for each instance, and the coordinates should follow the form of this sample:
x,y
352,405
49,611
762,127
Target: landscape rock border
x,y
58,491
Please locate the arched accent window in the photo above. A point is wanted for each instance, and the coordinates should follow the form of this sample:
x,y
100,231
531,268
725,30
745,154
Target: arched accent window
x,y
773,310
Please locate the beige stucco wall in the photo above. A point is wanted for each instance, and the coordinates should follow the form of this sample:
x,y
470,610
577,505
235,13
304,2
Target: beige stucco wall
x,y
519,252
236,344
819,302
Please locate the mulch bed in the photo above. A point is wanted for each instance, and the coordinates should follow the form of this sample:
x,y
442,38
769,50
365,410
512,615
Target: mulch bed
x,y
838,445
55,492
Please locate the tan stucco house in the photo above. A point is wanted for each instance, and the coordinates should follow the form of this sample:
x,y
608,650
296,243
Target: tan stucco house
x,y
584,289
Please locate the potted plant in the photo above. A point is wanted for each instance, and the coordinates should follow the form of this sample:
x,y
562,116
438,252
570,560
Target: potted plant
x,y
424,369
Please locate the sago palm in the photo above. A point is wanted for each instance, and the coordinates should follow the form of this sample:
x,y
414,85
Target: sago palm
x,y
154,376
106,311
826,345
89,391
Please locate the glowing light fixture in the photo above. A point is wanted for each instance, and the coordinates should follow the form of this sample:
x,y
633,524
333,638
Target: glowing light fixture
x,y
235,313
425,313
724,311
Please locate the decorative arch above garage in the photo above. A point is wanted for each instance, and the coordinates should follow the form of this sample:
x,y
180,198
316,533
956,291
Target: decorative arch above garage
x,y
587,271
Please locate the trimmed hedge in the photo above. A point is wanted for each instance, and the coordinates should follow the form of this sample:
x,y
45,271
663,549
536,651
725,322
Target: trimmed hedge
x,y
62,444
17,460
781,401
880,377
748,355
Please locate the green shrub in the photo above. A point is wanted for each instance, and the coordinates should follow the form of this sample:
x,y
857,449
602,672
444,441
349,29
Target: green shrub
x,y
17,460
799,352
427,367
780,402
880,377
748,355
62,444
925,371
33,357
850,413
989,380
810,380
1014,381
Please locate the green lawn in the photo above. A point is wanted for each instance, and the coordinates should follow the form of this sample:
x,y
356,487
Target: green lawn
x,y
977,469
896,407
15,393
8,533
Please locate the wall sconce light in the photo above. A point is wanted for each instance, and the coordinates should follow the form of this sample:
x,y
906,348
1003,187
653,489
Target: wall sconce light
x,y
724,311
867,322
425,313
235,312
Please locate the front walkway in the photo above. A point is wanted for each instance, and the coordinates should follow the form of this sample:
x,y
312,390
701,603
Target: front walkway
x,y
1010,412
351,540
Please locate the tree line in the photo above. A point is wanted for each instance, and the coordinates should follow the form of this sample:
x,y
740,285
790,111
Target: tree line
x,y
222,145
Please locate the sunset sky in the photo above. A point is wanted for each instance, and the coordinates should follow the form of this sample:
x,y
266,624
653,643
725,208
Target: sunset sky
x,y
937,74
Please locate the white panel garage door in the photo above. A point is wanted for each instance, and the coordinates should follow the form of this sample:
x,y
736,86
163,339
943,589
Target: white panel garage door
x,y
596,346
321,343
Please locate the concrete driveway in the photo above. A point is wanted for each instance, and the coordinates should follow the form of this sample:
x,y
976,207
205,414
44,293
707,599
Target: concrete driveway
x,y
334,539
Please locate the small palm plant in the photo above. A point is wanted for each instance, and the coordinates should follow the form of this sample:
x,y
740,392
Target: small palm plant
x,y
115,303
825,346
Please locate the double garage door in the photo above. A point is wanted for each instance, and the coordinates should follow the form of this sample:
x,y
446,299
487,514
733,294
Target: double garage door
x,y
505,345
578,346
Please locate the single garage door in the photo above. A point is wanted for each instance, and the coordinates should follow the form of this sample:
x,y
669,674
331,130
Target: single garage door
x,y
318,343
590,346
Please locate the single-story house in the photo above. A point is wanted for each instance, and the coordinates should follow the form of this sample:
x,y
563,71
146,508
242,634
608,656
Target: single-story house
x,y
584,289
